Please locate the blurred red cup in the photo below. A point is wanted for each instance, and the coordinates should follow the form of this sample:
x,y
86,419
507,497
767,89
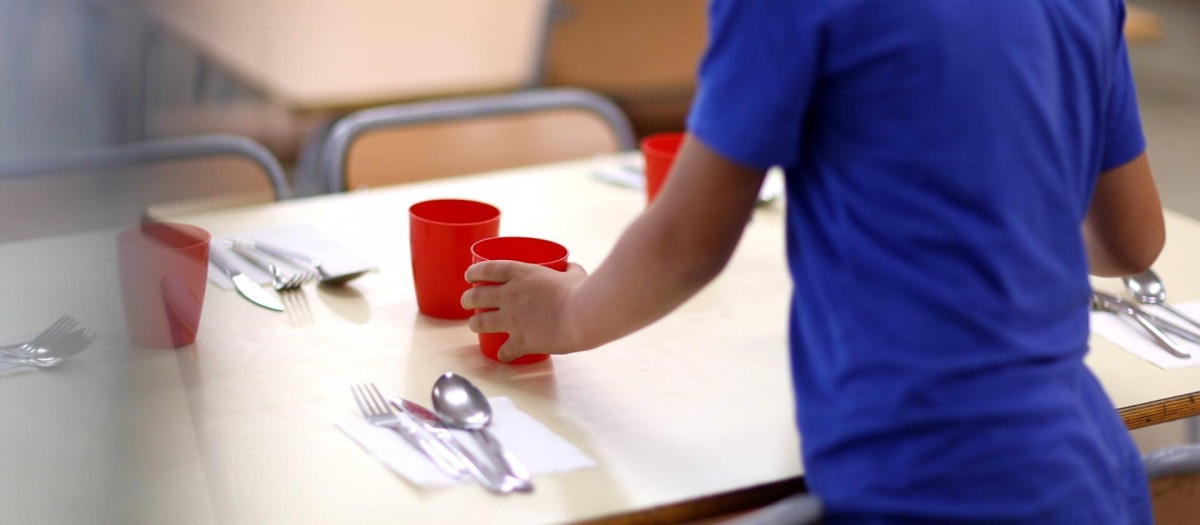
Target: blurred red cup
x,y
163,270
441,233
659,151
523,249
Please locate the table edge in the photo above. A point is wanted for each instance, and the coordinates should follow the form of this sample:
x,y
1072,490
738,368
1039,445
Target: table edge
x,y
1161,411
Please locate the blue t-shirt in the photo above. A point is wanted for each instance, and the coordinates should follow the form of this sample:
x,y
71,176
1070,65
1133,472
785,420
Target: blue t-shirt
x,y
940,158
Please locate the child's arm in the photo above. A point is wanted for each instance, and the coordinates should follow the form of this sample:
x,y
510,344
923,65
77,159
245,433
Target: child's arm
x,y
1124,229
668,254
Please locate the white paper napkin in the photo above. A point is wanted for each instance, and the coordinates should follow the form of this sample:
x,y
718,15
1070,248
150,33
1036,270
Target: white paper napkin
x,y
301,239
1128,334
539,449
6,368
632,175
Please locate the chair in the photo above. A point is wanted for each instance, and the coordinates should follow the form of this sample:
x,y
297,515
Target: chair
x,y
113,186
1174,475
803,509
425,140
643,55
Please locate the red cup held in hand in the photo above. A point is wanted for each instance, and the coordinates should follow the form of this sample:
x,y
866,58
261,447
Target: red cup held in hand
x,y
441,233
163,272
659,152
522,249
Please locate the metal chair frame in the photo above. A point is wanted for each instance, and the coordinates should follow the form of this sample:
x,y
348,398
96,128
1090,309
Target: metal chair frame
x,y
151,152
332,156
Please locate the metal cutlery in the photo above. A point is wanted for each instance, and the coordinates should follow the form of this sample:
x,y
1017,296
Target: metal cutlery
x,y
1147,288
488,475
54,351
52,333
376,410
244,284
326,276
1110,303
280,281
460,404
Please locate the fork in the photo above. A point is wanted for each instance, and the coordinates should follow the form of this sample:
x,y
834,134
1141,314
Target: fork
x,y
376,410
50,335
64,347
280,281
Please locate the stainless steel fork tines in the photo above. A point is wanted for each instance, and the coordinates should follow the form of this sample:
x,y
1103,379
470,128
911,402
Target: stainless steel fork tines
x,y
55,332
59,342
376,410
280,281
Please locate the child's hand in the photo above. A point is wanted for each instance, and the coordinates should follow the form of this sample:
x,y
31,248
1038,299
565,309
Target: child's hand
x,y
531,306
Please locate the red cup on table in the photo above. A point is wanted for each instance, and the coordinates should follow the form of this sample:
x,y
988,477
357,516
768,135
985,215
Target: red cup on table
x,y
163,269
522,249
441,233
659,151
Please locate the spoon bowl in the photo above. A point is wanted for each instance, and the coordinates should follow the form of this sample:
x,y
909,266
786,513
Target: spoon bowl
x,y
1147,288
460,404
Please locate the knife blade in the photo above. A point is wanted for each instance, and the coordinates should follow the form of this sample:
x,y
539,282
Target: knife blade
x,y
415,435
244,284
489,475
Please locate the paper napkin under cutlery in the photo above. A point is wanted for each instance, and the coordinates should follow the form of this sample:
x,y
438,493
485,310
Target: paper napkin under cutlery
x,y
539,449
307,240
1128,334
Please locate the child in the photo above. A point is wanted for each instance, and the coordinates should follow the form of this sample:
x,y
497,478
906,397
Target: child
x,y
954,170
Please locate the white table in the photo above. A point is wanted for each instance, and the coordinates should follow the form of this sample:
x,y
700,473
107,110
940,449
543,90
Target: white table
x,y
239,427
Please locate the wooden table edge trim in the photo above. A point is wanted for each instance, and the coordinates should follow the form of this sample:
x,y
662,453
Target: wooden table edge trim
x,y
1163,411
709,506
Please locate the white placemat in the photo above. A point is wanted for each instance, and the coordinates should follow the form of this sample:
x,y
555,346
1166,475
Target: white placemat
x,y
1128,334
539,449
307,240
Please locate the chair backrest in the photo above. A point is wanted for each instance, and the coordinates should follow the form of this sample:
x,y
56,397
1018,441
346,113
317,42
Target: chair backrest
x,y
112,187
425,140
1174,475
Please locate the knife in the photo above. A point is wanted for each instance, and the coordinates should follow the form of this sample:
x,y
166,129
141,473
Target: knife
x,y
488,475
244,285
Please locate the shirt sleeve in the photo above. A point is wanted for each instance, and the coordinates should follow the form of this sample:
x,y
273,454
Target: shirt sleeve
x,y
1123,138
756,80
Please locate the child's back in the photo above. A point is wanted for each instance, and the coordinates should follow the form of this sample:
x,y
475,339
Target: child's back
x,y
941,156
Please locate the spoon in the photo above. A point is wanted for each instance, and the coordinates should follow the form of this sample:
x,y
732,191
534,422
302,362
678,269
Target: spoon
x,y
460,404
328,278
1147,288
1110,303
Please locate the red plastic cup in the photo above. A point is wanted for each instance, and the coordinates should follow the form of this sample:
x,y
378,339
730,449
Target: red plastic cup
x,y
441,233
659,151
523,249
163,270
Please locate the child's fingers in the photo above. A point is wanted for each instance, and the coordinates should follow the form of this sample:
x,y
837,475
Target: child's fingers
x,y
508,352
481,297
575,267
486,322
493,271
